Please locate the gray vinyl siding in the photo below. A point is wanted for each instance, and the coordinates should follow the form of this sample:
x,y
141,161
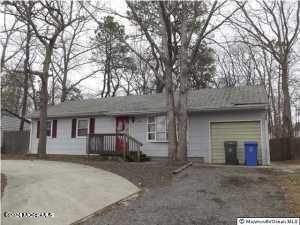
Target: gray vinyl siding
x,y
138,130
63,143
199,130
198,134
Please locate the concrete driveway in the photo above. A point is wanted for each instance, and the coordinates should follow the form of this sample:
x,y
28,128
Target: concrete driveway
x,y
66,190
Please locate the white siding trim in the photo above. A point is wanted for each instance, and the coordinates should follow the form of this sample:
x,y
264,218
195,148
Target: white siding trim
x,y
268,160
147,124
263,143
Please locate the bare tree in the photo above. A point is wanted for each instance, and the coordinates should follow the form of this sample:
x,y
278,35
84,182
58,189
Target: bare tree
x,y
26,68
167,58
274,26
176,23
22,50
8,34
47,19
240,63
71,54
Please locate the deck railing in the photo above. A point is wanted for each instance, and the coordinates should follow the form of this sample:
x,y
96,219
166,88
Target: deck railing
x,y
113,144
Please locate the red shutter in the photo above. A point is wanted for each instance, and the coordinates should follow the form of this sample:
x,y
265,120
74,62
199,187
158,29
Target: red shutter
x,y
54,128
92,125
73,133
38,129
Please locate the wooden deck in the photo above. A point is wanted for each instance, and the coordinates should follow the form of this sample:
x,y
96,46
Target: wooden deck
x,y
113,144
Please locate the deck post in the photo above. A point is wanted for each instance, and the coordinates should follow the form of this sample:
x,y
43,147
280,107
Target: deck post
x,y
87,144
125,149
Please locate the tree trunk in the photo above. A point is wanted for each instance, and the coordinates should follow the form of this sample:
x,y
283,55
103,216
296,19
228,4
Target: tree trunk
x,y
35,104
64,89
159,86
53,91
26,78
63,94
109,75
286,115
279,110
183,95
182,124
43,104
171,119
170,103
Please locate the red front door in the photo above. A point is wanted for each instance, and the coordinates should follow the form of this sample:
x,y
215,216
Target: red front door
x,y
122,127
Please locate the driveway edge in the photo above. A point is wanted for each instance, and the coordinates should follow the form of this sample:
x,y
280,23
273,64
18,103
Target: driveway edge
x,y
98,212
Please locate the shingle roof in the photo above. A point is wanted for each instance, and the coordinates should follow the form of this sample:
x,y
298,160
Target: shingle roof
x,y
200,100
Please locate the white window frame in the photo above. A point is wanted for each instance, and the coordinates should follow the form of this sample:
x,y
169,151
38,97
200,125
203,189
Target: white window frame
x,y
77,125
155,131
51,124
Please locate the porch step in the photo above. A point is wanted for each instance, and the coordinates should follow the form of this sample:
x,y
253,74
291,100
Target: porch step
x,y
132,157
144,157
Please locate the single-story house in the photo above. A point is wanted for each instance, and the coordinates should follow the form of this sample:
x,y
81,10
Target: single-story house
x,y
215,115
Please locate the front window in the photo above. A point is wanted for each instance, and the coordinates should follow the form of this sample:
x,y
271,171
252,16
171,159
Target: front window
x,y
49,128
157,128
82,129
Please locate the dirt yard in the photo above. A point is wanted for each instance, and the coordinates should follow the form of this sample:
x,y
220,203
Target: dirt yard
x,y
201,195
289,178
291,183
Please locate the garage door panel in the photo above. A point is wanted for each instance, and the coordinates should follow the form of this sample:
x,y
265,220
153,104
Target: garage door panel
x,y
234,131
238,126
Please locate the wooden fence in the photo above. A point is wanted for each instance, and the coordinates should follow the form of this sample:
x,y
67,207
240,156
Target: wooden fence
x,y
15,142
285,148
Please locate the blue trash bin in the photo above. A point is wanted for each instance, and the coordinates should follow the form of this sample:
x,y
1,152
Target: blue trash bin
x,y
250,153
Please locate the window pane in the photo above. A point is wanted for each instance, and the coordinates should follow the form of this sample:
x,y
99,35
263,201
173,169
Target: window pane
x,y
48,128
161,136
151,127
82,132
151,136
161,124
82,124
151,119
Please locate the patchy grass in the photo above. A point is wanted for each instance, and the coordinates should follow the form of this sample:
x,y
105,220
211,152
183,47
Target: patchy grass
x,y
239,181
291,185
3,183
